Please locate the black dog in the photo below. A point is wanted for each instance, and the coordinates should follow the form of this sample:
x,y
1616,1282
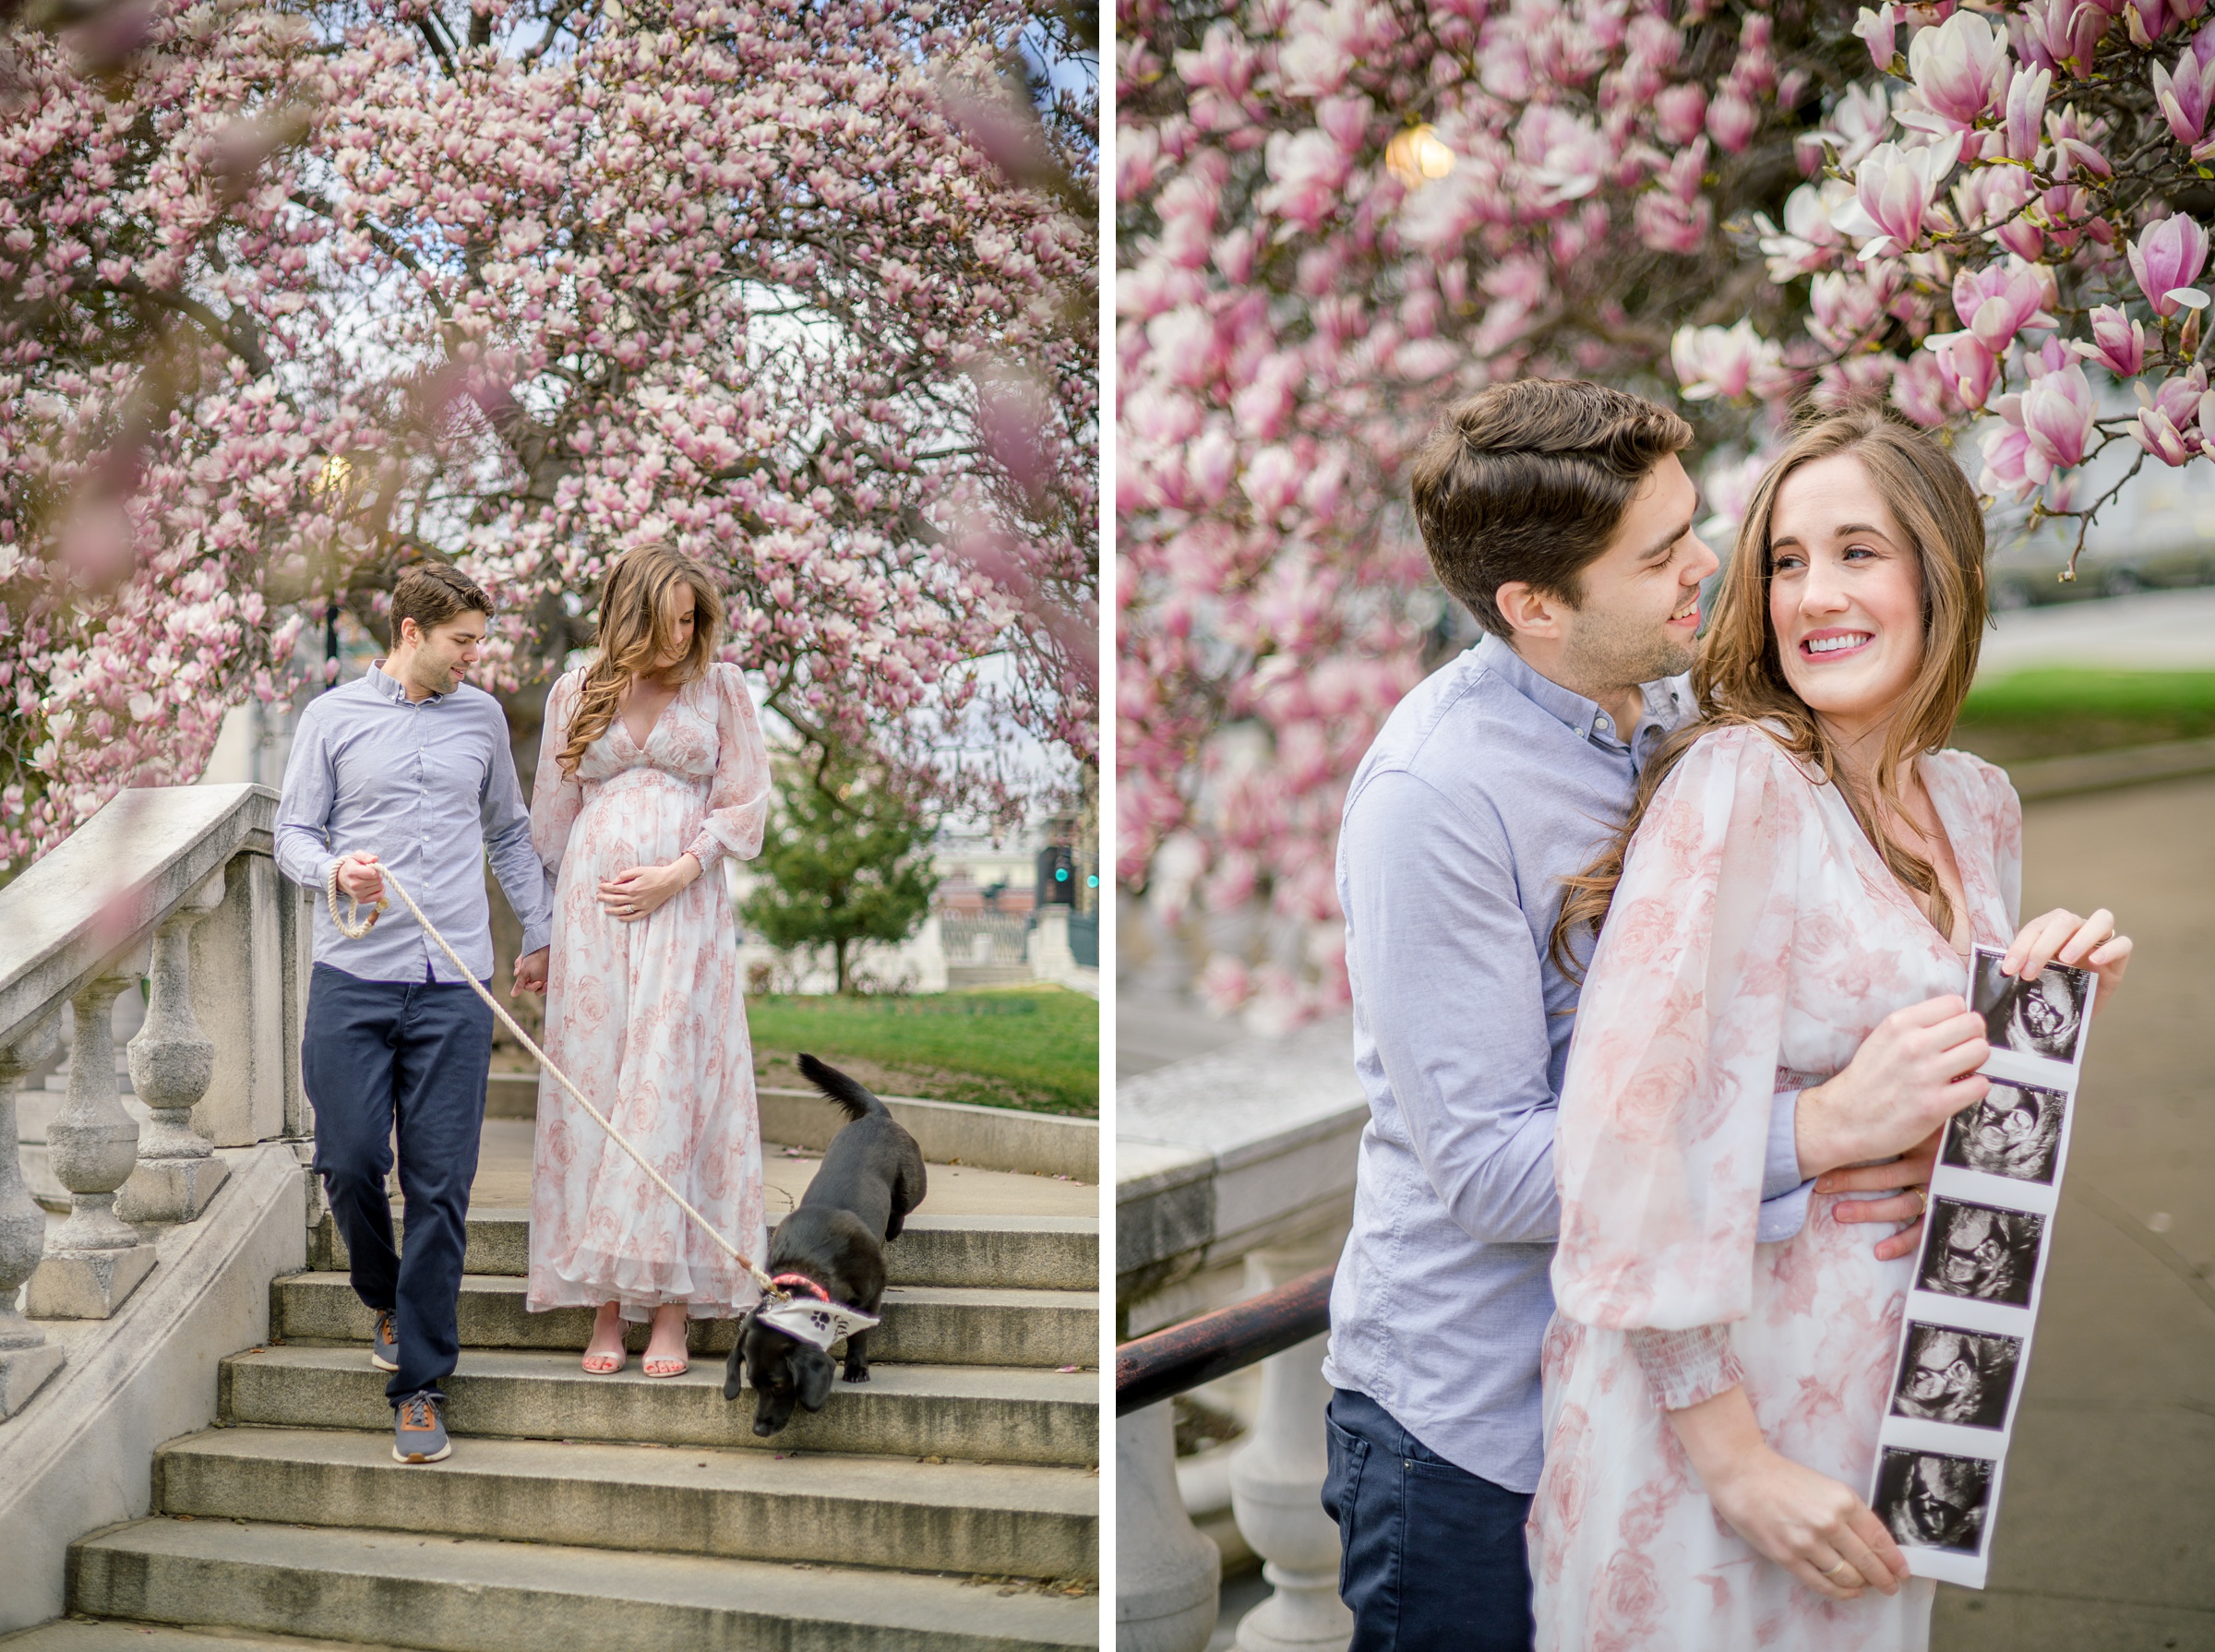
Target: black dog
x,y
870,1178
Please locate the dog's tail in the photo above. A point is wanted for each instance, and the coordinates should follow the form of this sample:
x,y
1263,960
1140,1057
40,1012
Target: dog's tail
x,y
855,1099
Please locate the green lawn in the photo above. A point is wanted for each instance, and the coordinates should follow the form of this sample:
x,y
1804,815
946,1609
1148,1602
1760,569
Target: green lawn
x,y
2057,711
1034,1047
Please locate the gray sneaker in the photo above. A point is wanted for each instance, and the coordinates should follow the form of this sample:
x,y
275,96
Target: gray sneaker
x,y
418,1435
384,1342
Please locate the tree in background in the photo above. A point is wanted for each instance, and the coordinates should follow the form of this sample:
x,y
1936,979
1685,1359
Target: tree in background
x,y
1337,215
846,858
291,294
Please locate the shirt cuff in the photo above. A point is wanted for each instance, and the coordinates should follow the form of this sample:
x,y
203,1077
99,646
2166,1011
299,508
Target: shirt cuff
x,y
1684,1368
536,936
1783,1193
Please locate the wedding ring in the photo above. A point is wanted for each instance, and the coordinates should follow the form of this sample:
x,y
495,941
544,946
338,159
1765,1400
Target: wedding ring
x,y
1924,1195
1834,1570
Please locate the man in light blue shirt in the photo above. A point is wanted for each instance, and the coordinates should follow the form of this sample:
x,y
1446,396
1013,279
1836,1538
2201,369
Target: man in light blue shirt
x,y
1560,513
408,767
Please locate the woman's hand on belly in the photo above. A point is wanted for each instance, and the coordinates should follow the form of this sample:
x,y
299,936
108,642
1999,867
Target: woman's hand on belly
x,y
1809,1523
635,891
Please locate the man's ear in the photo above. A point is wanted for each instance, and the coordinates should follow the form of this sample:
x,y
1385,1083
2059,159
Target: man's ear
x,y
1528,611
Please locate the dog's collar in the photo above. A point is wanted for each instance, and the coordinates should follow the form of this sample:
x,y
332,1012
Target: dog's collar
x,y
807,1288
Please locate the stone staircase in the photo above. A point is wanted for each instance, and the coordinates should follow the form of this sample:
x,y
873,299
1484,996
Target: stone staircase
x,y
950,1505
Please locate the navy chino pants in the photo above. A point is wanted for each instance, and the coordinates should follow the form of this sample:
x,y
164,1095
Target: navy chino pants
x,y
411,1055
1431,1557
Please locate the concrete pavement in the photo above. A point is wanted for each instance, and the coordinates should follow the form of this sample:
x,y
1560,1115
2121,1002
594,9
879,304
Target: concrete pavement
x,y
2151,630
2106,1538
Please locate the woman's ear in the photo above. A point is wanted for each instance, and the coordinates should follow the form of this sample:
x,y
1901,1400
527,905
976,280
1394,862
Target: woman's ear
x,y
813,1371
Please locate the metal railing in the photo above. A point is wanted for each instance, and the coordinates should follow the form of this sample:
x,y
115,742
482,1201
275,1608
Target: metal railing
x,y
1154,1367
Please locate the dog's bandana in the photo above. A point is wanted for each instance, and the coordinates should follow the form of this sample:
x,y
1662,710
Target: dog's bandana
x,y
809,1315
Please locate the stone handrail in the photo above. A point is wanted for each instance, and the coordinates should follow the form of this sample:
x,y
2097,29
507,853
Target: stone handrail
x,y
177,885
1234,1175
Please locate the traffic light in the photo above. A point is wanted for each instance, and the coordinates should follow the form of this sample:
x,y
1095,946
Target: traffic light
x,y
1057,877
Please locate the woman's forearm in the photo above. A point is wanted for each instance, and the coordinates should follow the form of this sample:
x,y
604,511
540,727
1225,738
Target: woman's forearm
x,y
1721,1436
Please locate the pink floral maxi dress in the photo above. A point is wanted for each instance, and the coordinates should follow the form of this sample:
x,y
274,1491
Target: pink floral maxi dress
x,y
1756,938
646,1017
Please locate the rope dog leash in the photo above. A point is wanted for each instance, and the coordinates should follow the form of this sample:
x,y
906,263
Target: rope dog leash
x,y
353,927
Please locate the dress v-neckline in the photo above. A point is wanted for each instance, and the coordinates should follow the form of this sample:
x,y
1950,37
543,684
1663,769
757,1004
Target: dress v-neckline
x,y
623,722
1885,874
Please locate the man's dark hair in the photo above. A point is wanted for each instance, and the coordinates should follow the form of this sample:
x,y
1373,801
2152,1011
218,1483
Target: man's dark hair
x,y
430,593
1530,481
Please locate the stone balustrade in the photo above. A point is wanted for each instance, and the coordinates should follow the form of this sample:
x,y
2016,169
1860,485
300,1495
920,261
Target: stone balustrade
x,y
1235,1172
175,886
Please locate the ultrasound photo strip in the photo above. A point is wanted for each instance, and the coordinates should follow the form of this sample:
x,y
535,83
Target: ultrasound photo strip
x,y
1972,1303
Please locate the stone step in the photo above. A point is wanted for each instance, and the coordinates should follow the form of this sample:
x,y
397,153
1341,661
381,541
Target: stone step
x,y
977,1413
1011,1252
474,1595
923,1323
106,1634
1007,1520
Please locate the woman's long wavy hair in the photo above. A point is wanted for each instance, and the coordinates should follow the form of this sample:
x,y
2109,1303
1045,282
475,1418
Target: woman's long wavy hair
x,y
634,634
1740,676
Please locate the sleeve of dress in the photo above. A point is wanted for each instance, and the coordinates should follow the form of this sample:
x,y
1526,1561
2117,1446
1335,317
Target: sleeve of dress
x,y
1683,1367
556,799
739,796
1668,1099
2007,843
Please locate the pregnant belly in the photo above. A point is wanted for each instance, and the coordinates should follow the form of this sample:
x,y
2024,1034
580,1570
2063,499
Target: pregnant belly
x,y
644,817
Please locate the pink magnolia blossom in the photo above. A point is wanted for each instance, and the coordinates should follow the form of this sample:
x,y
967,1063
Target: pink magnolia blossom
x,y
1728,362
1894,188
1996,303
1967,367
2167,259
2118,343
1876,28
2027,92
2185,94
1732,120
1960,69
1679,113
2057,413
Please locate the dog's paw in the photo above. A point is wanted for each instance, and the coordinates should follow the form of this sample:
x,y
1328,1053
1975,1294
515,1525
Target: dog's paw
x,y
858,1376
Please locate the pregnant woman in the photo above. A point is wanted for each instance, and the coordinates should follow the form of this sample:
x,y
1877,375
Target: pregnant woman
x,y
652,770
1803,860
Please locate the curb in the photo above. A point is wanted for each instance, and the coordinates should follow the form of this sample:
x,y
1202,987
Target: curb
x,y
2105,770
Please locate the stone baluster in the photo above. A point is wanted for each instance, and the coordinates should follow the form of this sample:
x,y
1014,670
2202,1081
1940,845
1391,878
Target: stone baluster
x,y
94,1260
26,1359
1167,1573
1276,1489
171,1062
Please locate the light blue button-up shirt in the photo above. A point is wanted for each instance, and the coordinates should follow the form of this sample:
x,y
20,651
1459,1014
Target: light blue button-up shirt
x,y
429,788
1488,785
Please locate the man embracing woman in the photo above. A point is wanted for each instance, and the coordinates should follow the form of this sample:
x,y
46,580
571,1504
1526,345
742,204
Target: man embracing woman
x,y
653,769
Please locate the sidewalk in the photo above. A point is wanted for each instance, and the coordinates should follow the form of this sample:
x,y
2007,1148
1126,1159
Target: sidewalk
x,y
2106,1536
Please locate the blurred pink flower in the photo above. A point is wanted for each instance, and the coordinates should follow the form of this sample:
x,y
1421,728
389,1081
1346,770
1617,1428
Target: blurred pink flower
x,y
1679,113
1732,121
1724,362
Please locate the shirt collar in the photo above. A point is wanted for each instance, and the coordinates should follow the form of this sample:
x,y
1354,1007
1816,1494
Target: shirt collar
x,y
392,687
1667,702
